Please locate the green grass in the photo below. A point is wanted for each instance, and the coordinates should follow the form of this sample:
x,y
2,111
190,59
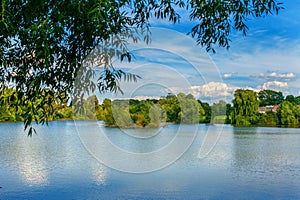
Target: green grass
x,y
220,119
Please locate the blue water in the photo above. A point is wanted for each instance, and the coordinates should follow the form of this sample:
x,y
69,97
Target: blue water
x,y
245,163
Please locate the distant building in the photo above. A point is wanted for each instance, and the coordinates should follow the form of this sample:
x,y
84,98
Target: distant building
x,y
274,109
264,109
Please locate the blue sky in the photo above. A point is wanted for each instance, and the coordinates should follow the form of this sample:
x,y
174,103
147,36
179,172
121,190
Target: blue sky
x,y
267,58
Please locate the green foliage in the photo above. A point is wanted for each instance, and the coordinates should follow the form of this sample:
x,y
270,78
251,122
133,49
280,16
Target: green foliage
x,y
292,99
220,119
172,107
190,109
182,108
270,97
229,110
51,44
218,109
150,113
107,113
288,114
268,119
206,118
156,115
245,108
11,110
132,113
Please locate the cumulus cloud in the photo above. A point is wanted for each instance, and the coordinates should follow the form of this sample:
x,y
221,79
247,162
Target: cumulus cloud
x,y
275,75
274,85
211,90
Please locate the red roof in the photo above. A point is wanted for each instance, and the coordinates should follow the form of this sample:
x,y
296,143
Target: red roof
x,y
274,109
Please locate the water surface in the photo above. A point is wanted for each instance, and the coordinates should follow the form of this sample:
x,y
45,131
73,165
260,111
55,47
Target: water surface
x,y
246,163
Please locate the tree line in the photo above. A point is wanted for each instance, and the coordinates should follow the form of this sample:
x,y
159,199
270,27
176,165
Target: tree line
x,y
180,108
283,111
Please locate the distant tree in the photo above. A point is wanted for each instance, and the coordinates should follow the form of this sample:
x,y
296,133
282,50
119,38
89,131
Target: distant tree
x,y
206,117
107,112
288,114
229,109
297,100
268,119
270,97
219,108
122,117
291,98
245,108
172,107
156,115
190,109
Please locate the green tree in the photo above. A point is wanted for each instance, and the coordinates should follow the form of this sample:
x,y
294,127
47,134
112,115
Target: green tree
x,y
229,110
270,97
190,109
107,112
156,115
297,100
291,98
268,119
206,117
245,108
43,44
288,114
172,107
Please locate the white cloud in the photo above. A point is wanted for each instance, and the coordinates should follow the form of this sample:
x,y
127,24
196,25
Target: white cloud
x,y
278,75
211,90
274,85
227,75
140,98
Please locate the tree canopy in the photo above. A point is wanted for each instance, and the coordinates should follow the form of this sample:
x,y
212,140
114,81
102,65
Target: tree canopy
x,y
44,44
270,97
245,107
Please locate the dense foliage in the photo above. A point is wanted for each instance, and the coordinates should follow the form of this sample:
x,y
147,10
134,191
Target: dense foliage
x,y
149,113
278,112
270,97
52,44
245,108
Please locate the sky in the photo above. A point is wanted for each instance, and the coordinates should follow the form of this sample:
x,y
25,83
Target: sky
x,y
267,58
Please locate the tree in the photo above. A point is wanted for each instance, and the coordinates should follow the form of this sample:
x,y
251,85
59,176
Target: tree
x,y
270,97
229,109
44,44
172,107
206,117
107,112
219,108
156,115
245,108
288,114
190,109
297,100
268,119
290,98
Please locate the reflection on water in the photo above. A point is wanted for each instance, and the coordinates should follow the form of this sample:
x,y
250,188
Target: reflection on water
x,y
246,163
98,173
30,164
267,152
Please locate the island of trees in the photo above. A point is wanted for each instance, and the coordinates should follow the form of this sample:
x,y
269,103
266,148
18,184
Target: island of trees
x,y
248,108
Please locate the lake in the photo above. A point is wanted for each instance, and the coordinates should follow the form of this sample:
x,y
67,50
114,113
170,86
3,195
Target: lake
x,y
63,162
